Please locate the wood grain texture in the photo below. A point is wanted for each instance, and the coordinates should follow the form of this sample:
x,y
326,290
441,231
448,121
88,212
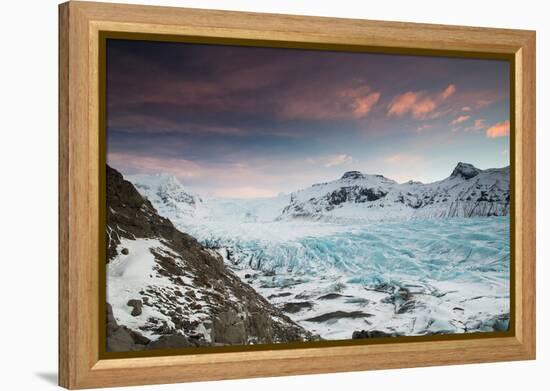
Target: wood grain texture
x,y
79,146
63,220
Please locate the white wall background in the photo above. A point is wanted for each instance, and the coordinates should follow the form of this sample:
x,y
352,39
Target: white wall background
x,y
28,193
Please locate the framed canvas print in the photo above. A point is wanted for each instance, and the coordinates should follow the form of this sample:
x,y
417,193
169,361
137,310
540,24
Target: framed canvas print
x,y
248,195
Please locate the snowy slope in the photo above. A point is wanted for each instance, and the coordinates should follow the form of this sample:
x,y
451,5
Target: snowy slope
x,y
467,192
165,289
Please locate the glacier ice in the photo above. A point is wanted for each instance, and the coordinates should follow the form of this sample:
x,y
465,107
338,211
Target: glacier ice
x,y
409,276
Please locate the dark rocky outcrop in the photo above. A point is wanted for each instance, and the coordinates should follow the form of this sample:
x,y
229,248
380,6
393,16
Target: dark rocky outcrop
x,y
121,338
296,306
353,175
364,334
339,315
465,170
331,296
216,307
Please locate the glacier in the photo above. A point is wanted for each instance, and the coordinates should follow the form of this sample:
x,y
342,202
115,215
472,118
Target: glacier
x,y
408,271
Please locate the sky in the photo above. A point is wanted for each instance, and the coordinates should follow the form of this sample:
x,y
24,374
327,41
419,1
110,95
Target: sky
x,y
249,122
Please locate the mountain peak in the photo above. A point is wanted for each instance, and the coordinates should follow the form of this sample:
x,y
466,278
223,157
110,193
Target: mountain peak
x,y
465,170
353,175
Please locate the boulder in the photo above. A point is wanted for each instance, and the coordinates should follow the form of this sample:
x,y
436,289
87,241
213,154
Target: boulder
x,y
137,306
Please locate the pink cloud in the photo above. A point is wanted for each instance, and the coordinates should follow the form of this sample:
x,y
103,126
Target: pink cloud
x,y
460,119
338,160
364,105
483,103
402,104
450,90
501,129
466,108
479,124
419,104
422,108
320,102
330,161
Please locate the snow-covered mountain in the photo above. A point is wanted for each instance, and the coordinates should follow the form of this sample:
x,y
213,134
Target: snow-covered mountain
x,y
467,192
168,195
166,290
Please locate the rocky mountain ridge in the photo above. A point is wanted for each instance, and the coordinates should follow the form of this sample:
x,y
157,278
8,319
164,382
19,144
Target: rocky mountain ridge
x,y
467,192
165,290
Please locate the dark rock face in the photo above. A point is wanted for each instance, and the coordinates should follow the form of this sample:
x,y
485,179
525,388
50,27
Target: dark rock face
x,y
355,194
339,315
229,328
121,338
353,175
465,170
229,310
126,208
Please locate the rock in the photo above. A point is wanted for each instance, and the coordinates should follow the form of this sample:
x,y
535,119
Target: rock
x,y
339,315
111,321
121,338
284,294
120,341
331,296
465,170
228,328
363,334
125,251
137,306
247,276
258,327
293,307
170,342
137,337
353,175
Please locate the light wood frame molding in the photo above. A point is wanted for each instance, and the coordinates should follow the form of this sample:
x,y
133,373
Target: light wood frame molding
x,y
80,365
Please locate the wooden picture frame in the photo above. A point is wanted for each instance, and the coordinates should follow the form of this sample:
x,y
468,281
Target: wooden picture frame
x,y
81,364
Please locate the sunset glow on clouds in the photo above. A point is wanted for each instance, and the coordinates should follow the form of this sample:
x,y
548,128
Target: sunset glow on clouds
x,y
419,104
502,129
460,119
264,120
